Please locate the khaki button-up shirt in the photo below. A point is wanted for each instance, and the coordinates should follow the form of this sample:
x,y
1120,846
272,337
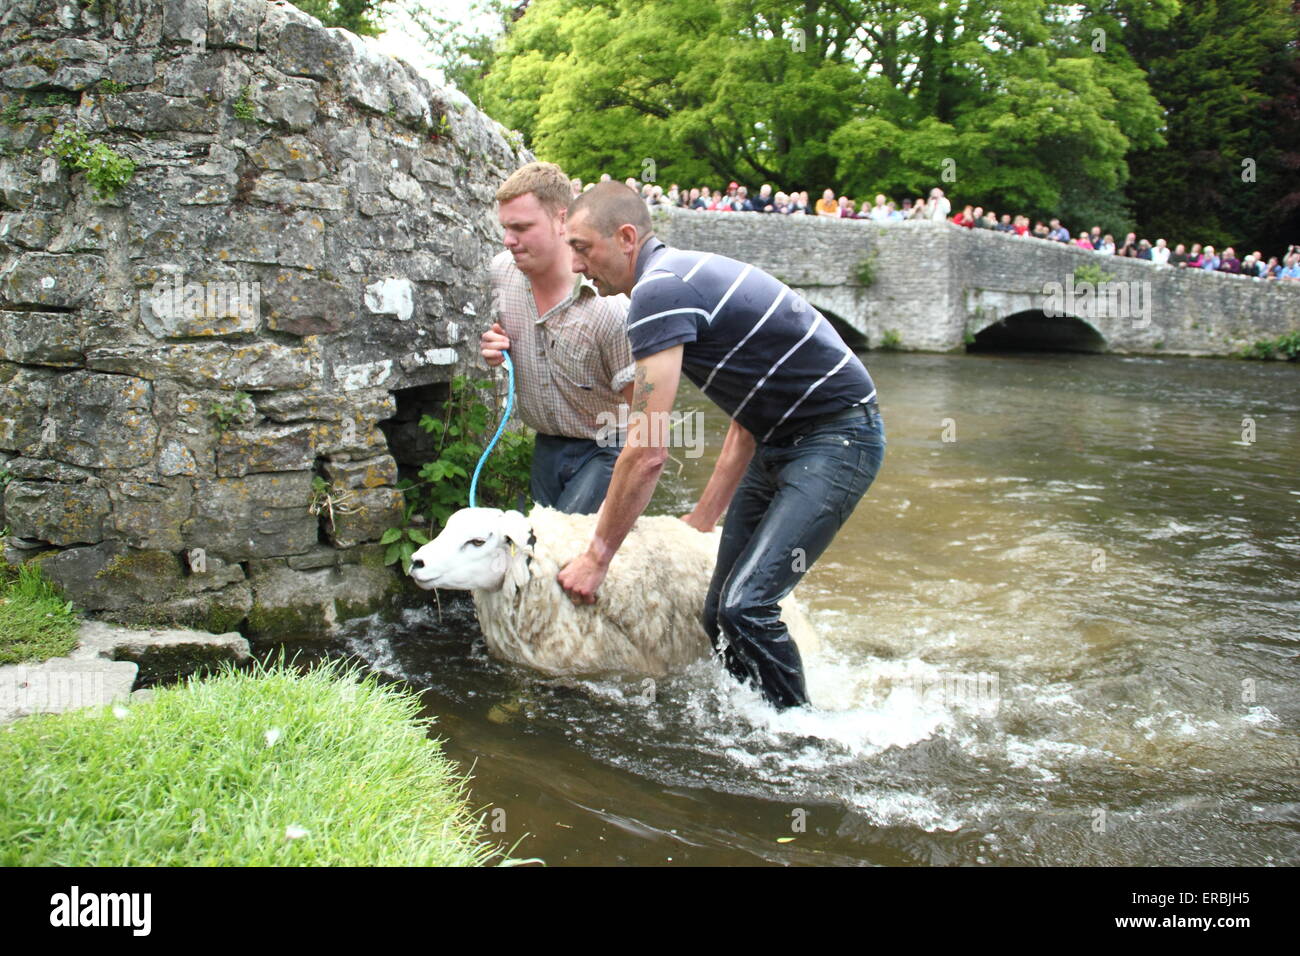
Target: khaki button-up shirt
x,y
572,363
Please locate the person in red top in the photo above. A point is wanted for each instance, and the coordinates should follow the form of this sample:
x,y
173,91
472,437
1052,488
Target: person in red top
x,y
965,218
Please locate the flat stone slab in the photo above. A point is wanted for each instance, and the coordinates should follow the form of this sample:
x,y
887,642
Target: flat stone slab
x,y
105,665
62,684
161,653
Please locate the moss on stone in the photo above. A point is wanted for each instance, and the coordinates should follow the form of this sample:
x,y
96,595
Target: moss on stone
x,y
282,623
143,565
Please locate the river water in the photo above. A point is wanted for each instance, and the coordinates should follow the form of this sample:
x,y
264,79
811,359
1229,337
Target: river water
x,y
1061,628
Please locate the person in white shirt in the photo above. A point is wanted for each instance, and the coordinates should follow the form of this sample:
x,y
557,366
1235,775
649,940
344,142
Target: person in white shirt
x,y
1160,254
940,207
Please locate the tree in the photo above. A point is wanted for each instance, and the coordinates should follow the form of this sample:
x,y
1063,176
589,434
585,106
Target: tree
x,y
1227,73
466,46
359,16
858,95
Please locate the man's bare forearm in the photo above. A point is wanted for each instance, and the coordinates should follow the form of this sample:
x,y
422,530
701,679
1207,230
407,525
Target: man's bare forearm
x,y
636,472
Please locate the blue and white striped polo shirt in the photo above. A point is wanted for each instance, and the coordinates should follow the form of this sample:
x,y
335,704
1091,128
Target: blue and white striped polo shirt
x,y
754,346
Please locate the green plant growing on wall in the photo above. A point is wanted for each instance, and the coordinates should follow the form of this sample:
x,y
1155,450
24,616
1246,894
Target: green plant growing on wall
x,y
1091,272
402,543
891,341
225,414
462,429
865,273
330,501
243,105
440,128
106,170
12,114
1286,346
110,87
107,9
41,61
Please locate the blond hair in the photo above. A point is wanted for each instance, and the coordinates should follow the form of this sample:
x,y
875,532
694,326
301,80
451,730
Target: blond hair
x,y
546,181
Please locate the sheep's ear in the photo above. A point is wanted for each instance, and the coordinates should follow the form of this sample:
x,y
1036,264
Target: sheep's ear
x,y
517,529
519,533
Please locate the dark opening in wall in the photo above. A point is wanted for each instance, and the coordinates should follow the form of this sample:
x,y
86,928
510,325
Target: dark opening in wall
x,y
408,443
1036,332
851,336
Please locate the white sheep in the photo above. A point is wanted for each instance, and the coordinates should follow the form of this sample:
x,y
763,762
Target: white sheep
x,y
646,619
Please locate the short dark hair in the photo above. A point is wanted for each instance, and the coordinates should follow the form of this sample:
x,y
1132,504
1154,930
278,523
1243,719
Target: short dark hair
x,y
610,205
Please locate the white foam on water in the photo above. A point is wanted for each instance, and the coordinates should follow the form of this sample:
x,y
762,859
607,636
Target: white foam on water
x,y
892,809
1261,715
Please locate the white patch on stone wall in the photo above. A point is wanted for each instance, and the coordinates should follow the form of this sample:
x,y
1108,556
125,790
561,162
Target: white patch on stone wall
x,y
363,375
393,297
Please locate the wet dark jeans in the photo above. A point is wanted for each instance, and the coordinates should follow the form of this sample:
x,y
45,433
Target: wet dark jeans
x,y
791,502
571,474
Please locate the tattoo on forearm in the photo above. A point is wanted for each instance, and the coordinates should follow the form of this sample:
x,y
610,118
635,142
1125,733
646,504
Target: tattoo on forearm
x,y
643,388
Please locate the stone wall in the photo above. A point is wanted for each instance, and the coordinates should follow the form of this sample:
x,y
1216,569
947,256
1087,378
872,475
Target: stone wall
x,y
303,242
936,285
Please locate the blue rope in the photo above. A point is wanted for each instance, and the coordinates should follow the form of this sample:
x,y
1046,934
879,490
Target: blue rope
x,y
510,401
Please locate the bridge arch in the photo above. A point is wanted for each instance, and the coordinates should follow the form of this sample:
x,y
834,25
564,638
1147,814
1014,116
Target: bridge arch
x,y
1033,330
849,332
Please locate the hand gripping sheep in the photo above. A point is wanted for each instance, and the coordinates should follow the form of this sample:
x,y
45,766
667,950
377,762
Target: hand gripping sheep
x,y
646,619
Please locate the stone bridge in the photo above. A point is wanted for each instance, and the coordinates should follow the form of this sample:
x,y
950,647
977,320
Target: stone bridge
x,y
936,286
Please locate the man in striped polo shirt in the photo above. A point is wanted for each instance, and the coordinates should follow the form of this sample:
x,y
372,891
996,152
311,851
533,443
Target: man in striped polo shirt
x,y
806,439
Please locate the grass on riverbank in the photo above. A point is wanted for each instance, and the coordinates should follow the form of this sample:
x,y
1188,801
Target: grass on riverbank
x,y
35,622
261,768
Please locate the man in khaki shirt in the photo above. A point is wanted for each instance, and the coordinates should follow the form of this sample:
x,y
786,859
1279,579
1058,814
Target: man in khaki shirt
x,y
573,363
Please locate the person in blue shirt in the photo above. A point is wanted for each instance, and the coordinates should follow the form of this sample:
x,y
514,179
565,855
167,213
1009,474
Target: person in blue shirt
x,y
805,441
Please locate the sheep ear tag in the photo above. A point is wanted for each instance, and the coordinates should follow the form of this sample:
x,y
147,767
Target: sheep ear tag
x,y
519,534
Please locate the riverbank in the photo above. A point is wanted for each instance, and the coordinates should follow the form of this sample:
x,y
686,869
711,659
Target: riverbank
x,y
266,767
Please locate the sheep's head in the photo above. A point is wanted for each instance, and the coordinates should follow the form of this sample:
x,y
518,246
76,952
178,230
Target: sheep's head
x,y
474,551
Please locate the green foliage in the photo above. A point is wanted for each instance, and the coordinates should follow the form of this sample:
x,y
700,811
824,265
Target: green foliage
x,y
106,170
1227,73
461,430
1091,272
330,501
44,62
268,767
225,414
857,95
360,16
464,45
12,114
110,87
891,341
35,622
1284,346
402,543
243,105
866,272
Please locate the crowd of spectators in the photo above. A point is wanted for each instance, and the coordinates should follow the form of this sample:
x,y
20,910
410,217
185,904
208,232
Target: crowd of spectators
x,y
937,207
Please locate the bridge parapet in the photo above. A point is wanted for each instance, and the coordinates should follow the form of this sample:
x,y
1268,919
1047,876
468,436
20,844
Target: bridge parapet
x,y
934,286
